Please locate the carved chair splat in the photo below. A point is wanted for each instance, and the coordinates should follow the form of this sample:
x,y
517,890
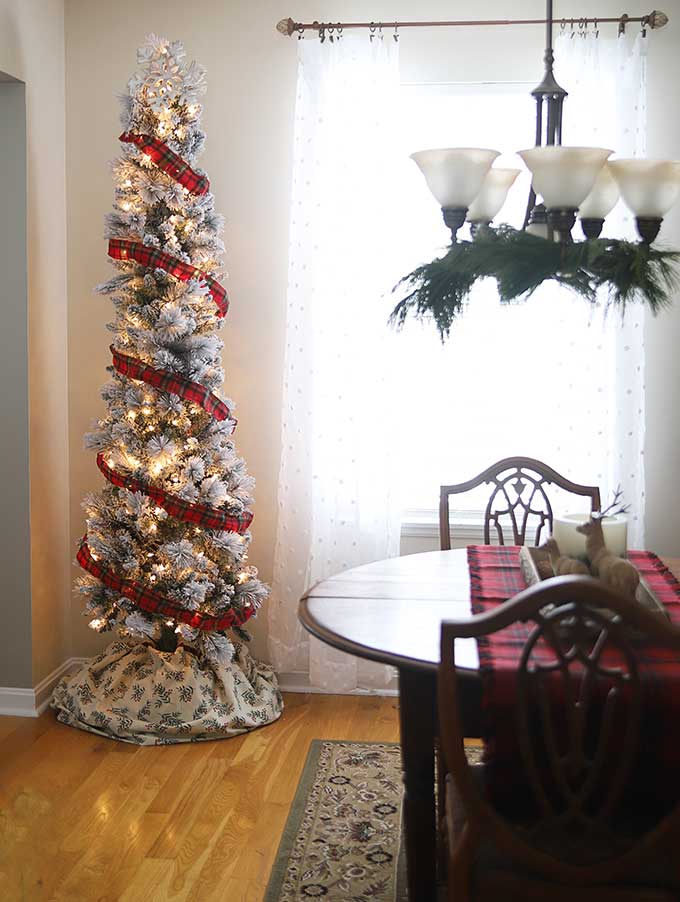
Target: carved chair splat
x,y
576,781
518,500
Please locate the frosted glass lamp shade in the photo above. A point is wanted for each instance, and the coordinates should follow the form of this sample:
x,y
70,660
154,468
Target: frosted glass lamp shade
x,y
603,197
455,174
564,176
649,187
492,194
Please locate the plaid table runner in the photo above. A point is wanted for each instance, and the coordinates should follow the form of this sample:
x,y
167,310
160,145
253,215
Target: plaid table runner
x,y
495,576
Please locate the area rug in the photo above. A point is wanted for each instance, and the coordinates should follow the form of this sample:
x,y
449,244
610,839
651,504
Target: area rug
x,y
342,839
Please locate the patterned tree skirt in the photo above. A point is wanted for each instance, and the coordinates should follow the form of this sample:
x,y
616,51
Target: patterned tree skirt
x,y
135,693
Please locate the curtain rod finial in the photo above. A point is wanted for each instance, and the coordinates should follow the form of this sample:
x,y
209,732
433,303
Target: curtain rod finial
x,y
657,19
287,26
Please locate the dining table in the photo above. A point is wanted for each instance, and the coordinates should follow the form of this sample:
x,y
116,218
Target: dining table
x,y
390,611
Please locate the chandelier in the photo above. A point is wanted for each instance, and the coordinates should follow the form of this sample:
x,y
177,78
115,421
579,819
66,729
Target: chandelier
x,y
567,182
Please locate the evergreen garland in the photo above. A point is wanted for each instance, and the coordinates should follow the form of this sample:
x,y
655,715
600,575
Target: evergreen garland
x,y
520,262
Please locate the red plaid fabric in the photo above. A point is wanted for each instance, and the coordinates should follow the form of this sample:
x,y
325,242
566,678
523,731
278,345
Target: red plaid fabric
x,y
200,514
171,382
155,603
495,576
124,249
169,162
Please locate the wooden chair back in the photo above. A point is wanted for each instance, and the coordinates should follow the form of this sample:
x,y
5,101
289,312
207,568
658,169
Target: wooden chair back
x,y
518,500
578,779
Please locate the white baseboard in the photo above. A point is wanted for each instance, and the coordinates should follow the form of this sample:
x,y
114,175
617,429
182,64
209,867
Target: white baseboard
x,y
32,702
299,682
17,702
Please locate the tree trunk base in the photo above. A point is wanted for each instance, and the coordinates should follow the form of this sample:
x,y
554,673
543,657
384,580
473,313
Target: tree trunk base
x,y
137,693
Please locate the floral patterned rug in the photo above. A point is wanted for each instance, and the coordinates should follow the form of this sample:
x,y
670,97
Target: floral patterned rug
x,y
343,835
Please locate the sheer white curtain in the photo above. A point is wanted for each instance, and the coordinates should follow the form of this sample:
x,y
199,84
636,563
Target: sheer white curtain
x,y
336,505
607,83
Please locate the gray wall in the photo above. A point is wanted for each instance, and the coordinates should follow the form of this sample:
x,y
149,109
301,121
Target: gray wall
x,y
15,538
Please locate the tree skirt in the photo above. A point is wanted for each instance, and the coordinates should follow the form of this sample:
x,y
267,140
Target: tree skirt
x,y
135,693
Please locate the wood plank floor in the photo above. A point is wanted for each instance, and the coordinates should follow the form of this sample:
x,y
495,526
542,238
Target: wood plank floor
x,y
87,819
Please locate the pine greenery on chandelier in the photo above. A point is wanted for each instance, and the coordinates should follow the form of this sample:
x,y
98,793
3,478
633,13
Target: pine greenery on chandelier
x,y
571,182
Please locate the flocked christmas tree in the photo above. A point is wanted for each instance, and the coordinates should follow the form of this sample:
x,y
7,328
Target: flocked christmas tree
x,y
165,552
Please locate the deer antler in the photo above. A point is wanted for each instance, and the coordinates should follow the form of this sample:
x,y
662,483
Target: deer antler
x,y
610,509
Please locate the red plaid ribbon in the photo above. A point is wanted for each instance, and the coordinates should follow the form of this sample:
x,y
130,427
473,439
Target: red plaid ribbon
x,y
495,576
169,162
154,602
124,249
200,514
171,382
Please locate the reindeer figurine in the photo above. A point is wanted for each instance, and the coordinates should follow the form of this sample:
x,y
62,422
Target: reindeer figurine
x,y
562,564
615,572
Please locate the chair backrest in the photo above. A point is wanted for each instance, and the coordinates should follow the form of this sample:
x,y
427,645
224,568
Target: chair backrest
x,y
518,500
576,701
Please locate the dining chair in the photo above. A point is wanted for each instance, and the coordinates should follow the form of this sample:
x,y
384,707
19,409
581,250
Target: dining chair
x,y
576,721
518,499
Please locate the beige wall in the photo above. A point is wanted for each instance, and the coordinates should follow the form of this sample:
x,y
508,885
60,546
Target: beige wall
x,y
248,118
32,50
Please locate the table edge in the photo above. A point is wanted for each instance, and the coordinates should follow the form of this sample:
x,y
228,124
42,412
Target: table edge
x,y
383,657
355,648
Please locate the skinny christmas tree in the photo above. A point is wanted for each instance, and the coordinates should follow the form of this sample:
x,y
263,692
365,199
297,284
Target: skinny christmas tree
x,y
166,544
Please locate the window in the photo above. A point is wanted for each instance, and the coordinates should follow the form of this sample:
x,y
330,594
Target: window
x,y
536,378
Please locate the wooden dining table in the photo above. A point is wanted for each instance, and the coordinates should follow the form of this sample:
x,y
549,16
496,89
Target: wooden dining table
x,y
391,611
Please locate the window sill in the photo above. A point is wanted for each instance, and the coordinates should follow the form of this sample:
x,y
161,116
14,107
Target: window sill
x,y
466,527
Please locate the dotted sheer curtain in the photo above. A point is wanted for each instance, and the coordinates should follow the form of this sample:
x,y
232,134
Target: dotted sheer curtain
x,y
607,79
373,421
336,504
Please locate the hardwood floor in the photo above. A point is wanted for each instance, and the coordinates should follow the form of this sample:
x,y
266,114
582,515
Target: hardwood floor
x,y
87,819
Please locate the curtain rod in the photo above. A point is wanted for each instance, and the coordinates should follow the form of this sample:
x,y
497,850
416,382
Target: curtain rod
x,y
288,27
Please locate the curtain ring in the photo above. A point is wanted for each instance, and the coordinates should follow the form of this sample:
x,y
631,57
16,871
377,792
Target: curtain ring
x,y
331,32
571,29
623,21
380,31
396,33
301,32
596,30
372,29
563,25
339,29
643,25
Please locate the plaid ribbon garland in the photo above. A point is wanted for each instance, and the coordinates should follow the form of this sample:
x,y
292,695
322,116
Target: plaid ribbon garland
x,y
155,603
171,382
152,257
495,576
200,514
170,162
